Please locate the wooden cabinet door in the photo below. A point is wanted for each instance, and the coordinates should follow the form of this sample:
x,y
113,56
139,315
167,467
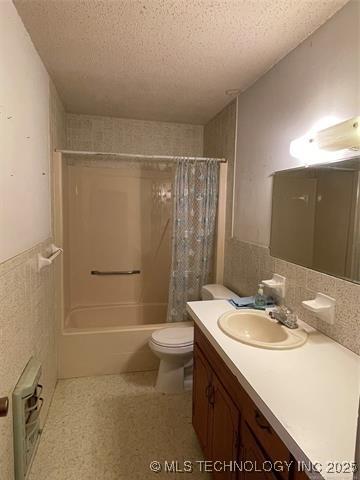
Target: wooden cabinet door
x,y
299,475
252,458
201,406
225,424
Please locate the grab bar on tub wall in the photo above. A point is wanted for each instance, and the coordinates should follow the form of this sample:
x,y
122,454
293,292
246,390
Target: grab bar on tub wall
x,y
115,272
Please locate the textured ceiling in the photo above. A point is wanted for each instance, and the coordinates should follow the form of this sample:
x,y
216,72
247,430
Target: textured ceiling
x,y
168,60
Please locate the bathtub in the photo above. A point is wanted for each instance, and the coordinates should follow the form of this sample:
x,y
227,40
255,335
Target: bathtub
x,y
101,340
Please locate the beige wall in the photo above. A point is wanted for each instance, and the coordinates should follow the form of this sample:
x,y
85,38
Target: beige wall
x,y
320,78
24,139
219,141
110,134
27,298
317,79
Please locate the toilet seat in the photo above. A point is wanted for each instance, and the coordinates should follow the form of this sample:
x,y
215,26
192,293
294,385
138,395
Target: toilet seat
x,y
171,352
173,337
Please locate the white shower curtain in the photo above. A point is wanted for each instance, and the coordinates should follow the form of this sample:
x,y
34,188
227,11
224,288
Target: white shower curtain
x,y
193,237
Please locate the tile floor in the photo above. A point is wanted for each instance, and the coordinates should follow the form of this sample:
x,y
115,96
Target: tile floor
x,y
112,427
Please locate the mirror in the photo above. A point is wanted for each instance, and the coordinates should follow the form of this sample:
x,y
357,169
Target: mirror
x,y
316,219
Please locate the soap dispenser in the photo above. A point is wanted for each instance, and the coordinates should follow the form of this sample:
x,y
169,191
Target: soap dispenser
x,y
260,298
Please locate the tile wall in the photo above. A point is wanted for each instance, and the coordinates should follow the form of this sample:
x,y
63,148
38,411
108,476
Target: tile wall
x,y
110,134
28,318
246,265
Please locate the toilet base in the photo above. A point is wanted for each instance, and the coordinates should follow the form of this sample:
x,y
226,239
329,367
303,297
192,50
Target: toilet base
x,y
172,377
176,365
188,383
188,376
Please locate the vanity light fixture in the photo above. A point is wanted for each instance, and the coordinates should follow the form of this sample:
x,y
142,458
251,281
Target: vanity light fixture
x,y
336,142
342,136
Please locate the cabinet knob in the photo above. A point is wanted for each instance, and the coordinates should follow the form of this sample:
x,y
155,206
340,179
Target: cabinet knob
x,y
262,422
4,406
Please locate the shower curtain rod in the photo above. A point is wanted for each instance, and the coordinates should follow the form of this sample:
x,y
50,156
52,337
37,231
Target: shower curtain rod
x,y
140,157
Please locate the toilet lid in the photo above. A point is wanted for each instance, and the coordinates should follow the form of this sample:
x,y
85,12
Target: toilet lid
x,y
174,337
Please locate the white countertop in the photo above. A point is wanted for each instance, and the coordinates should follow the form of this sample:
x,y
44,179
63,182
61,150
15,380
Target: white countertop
x,y
310,394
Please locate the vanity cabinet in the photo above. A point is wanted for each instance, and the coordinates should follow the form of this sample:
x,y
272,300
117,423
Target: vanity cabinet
x,y
201,403
251,452
216,418
300,475
228,424
224,427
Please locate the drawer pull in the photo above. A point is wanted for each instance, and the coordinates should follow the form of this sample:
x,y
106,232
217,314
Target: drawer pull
x,y
262,422
212,396
208,391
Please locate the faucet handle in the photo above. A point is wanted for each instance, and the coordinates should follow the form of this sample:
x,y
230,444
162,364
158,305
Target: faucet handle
x,y
292,319
285,315
286,310
280,310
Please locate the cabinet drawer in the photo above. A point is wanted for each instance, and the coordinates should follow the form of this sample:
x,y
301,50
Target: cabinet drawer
x,y
252,453
265,435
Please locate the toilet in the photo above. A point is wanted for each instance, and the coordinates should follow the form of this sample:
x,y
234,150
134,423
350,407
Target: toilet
x,y
174,347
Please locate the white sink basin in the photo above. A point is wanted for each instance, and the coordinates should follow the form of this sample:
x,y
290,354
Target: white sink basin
x,y
258,329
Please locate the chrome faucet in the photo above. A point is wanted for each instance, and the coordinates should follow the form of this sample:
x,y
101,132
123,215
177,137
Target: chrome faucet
x,y
285,316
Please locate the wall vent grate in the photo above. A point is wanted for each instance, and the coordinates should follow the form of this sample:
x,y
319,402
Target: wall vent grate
x,y
27,404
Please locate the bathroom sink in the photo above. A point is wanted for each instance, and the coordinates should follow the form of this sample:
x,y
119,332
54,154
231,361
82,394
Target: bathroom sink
x,y
258,329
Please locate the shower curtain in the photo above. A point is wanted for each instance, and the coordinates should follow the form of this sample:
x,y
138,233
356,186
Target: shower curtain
x,y
193,235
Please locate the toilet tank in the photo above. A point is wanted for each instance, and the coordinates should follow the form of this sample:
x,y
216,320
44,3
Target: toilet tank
x,y
216,292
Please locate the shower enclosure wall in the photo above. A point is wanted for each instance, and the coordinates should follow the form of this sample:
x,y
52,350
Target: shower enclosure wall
x,y
113,219
117,229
